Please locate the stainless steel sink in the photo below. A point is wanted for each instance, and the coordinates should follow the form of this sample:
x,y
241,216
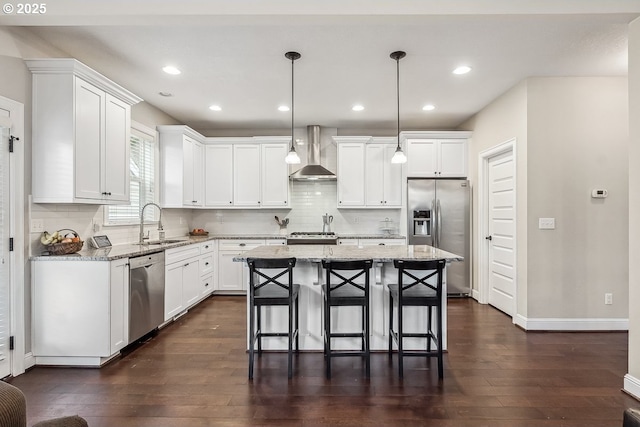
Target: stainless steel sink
x,y
163,242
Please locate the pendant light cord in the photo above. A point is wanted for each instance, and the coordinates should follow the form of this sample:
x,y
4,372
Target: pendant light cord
x,y
398,95
292,109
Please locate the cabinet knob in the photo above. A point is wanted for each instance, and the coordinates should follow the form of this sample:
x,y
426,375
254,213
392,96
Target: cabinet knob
x,y
230,202
206,263
206,247
258,202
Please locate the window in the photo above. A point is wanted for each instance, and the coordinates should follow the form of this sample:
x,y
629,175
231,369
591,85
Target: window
x,y
142,171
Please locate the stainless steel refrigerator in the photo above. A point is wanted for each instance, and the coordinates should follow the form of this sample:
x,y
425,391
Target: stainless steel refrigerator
x,y
438,212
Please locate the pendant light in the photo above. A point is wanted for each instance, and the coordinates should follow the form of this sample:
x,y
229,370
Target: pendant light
x,y
292,158
398,156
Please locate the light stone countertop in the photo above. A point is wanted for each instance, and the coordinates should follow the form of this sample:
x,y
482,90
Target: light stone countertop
x,y
317,253
133,249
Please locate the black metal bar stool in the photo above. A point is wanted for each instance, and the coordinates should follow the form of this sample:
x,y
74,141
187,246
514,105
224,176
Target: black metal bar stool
x,y
341,289
267,290
413,289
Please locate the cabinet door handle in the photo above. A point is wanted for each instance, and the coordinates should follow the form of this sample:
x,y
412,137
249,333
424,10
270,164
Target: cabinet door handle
x,y
206,247
186,265
206,263
242,244
206,284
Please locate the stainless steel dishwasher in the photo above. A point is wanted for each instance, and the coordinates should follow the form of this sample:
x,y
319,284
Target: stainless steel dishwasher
x,y
146,294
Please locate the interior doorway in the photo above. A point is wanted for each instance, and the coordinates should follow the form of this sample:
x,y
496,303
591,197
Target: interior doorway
x,y
12,316
497,227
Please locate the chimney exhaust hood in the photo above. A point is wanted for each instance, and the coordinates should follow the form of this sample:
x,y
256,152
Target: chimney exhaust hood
x,y
313,171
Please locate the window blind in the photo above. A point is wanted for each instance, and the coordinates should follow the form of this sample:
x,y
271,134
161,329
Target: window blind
x,y
142,186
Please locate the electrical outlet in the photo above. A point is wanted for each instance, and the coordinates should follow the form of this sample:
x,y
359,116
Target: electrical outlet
x,y
37,225
546,223
95,226
608,298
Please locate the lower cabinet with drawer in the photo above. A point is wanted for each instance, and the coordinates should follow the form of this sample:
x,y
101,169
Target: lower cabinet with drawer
x,y
232,275
207,267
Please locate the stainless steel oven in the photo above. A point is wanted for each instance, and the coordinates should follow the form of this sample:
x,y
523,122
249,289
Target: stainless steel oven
x,y
312,238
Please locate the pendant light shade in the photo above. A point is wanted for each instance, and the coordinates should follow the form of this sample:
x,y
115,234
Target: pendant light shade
x,y
292,158
398,156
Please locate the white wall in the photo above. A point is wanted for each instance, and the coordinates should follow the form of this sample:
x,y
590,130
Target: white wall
x,y
502,120
577,141
632,381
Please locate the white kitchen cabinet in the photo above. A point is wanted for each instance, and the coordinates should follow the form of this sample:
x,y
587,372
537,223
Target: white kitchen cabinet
x,y
207,267
348,242
232,275
351,171
383,179
274,180
246,175
193,176
218,175
182,279
436,154
81,134
181,167
382,242
80,311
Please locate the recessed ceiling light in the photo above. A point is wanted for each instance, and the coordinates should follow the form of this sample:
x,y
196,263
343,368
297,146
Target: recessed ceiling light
x,y
429,107
215,108
166,94
283,108
357,107
170,69
463,69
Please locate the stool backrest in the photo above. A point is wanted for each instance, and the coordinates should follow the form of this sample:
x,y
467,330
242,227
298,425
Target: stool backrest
x,y
415,273
346,273
258,277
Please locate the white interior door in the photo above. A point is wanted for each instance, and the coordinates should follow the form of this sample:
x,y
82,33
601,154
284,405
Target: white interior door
x,y
5,284
501,227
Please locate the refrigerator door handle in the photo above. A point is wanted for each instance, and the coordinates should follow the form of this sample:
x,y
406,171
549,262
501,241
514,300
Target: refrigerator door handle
x,y
439,229
434,224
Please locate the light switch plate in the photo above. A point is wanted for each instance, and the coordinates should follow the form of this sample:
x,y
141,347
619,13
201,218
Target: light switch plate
x,y
546,223
37,225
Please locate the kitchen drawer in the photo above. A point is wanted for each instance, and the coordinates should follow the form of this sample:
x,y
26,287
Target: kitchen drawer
x,y
181,253
208,246
274,242
206,264
239,245
206,285
387,242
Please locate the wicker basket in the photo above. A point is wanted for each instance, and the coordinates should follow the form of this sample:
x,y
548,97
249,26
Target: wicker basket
x,y
65,248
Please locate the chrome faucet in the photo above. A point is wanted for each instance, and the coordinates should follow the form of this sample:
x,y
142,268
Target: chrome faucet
x,y
160,229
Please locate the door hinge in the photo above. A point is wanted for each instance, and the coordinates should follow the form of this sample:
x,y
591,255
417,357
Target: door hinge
x,y
11,343
11,244
11,140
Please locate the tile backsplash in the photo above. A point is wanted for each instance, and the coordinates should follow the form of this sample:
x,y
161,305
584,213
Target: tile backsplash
x,y
309,201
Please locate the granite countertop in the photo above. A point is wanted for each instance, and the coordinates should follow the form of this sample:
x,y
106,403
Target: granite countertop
x,y
316,253
133,249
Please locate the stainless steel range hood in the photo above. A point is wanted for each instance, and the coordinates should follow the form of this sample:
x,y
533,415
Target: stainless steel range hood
x,y
313,170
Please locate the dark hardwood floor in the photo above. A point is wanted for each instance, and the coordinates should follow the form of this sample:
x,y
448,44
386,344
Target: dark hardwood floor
x,y
194,373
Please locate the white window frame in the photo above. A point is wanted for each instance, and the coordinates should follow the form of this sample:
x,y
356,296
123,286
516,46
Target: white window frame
x,y
144,132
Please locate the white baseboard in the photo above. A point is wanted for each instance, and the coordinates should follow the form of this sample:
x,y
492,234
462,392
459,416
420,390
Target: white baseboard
x,y
29,360
632,386
475,294
561,324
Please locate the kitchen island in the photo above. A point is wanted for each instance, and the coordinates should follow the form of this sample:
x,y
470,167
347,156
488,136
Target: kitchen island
x,y
309,274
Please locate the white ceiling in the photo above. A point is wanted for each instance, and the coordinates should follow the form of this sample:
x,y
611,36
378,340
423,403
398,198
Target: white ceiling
x,y
237,61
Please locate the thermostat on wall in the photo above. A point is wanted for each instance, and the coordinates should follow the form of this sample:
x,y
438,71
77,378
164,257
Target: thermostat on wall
x,y
599,193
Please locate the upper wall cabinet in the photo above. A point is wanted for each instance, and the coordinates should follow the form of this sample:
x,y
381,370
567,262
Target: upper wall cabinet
x,y
81,133
436,154
366,176
181,167
222,172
